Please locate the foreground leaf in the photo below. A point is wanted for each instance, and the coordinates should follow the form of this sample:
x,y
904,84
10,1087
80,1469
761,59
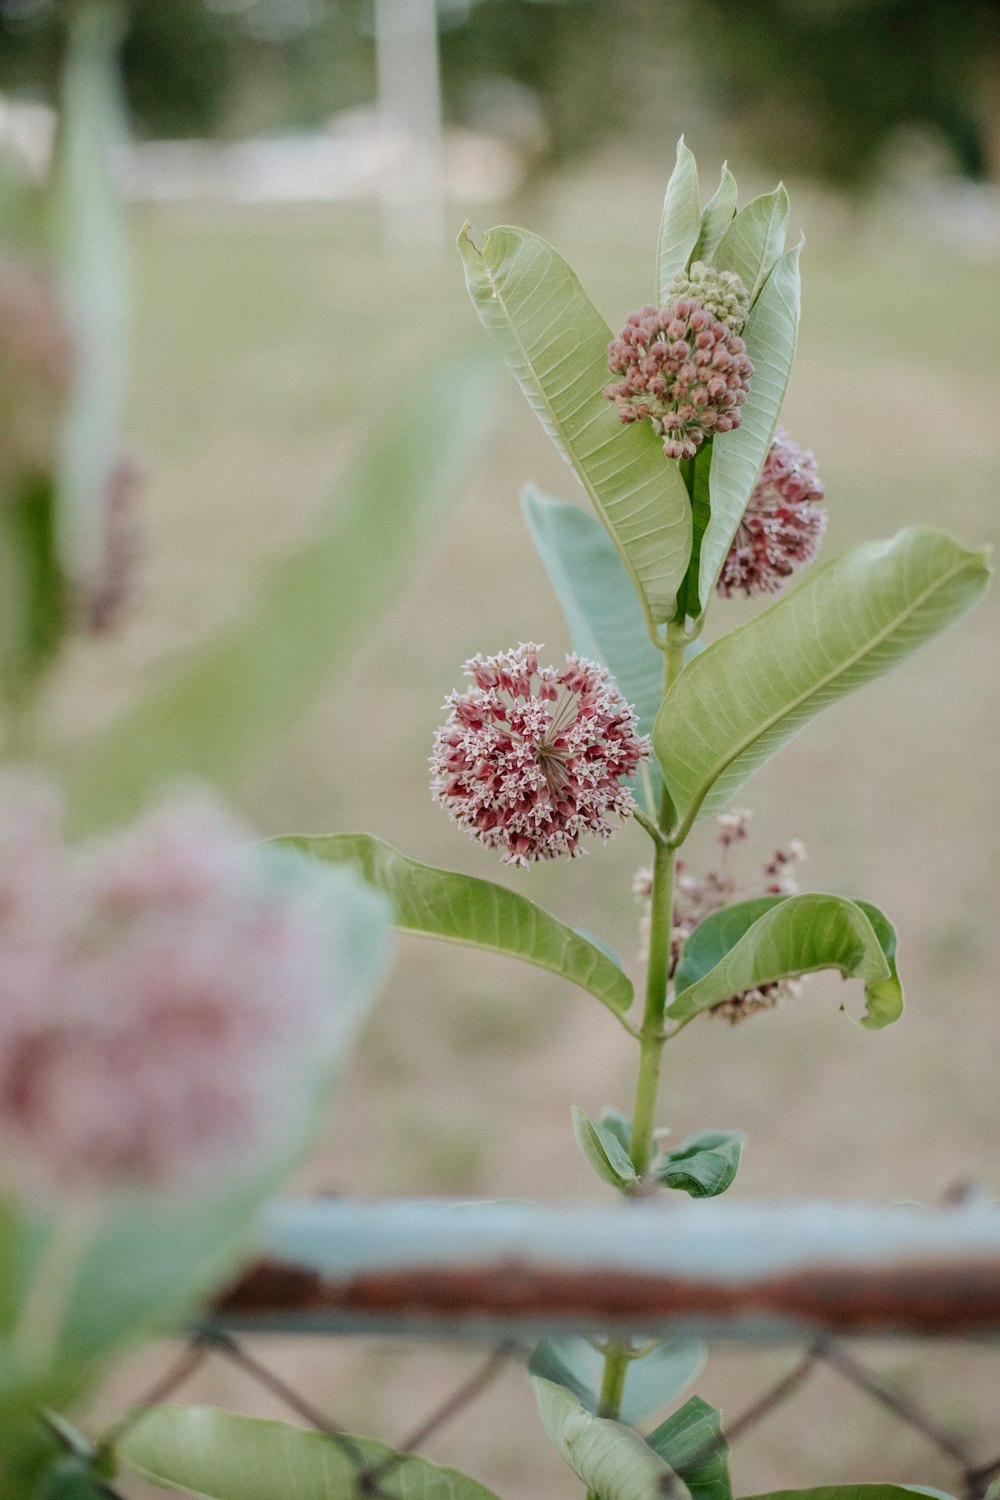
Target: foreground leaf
x,y
216,715
556,344
605,1153
680,222
851,621
704,1165
771,334
692,1443
658,1377
753,943
754,240
850,1492
465,909
610,1458
222,1456
717,217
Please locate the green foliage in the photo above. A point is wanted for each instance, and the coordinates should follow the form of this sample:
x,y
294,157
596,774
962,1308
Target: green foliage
x,y
556,344
465,909
704,1164
850,1492
221,1456
753,943
33,599
717,217
245,688
849,622
754,240
692,1442
605,1153
652,1380
611,1459
680,223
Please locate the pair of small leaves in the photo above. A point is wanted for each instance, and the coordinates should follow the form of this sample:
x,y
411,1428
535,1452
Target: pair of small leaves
x,y
704,1165
652,1381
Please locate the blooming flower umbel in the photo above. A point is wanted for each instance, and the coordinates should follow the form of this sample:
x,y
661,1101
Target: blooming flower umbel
x,y
782,526
684,367
158,992
531,758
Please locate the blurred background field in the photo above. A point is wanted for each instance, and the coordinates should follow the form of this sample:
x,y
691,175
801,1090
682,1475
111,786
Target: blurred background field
x,y
270,340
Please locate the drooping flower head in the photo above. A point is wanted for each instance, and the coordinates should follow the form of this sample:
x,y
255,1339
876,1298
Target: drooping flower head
x,y
158,993
782,526
531,758
684,367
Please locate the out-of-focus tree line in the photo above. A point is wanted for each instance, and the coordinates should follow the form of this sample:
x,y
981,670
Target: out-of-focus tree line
x,y
821,85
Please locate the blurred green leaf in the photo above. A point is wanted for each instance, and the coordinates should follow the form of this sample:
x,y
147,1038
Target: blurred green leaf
x,y
605,1152
90,231
779,937
849,622
652,1380
618,1123
216,715
754,240
849,1492
680,223
692,1443
770,334
556,344
465,909
704,1164
611,1459
222,1456
33,600
718,215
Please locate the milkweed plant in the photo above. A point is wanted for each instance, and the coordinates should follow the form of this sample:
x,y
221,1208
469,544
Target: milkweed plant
x,y
176,996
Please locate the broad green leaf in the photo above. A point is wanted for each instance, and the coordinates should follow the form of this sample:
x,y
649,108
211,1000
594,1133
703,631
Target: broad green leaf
x,y
217,1454
680,223
465,909
780,937
92,251
556,344
617,1123
850,1492
658,1377
850,621
611,1459
692,1442
700,478
754,240
146,1260
770,334
704,1164
717,217
601,608
237,694
605,1153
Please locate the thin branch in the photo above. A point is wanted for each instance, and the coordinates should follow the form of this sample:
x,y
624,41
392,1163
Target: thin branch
x,y
779,1393
178,1373
907,1411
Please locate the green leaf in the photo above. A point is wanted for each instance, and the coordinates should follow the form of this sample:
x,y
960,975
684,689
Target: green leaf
x,y
754,240
611,1459
770,334
701,511
465,909
653,1380
704,1164
238,693
93,254
556,344
692,1442
717,217
601,608
680,223
780,937
33,601
849,622
605,1153
849,1492
617,1123
222,1456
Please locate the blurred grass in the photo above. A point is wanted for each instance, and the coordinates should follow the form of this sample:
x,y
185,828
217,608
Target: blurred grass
x,y
268,343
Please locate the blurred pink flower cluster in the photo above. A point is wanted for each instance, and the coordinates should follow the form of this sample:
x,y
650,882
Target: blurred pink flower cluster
x,y
782,526
530,759
158,991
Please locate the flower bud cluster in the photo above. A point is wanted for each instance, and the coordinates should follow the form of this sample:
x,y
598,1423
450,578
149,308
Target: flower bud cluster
x,y
530,758
721,293
683,369
782,525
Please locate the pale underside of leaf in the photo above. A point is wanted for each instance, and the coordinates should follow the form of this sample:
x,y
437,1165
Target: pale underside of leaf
x,y
717,217
680,222
611,1460
754,240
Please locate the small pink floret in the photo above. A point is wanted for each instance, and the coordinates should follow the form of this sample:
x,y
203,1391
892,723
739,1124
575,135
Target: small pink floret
x,y
530,758
782,526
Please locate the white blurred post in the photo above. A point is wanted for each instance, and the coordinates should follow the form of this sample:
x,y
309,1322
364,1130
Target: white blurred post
x,y
409,103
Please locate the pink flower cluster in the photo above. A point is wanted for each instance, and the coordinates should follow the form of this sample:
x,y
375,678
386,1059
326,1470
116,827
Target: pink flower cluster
x,y
782,526
158,992
683,369
530,759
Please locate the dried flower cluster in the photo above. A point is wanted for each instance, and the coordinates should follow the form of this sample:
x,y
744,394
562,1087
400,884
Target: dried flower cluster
x,y
697,897
782,526
158,992
683,367
530,759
